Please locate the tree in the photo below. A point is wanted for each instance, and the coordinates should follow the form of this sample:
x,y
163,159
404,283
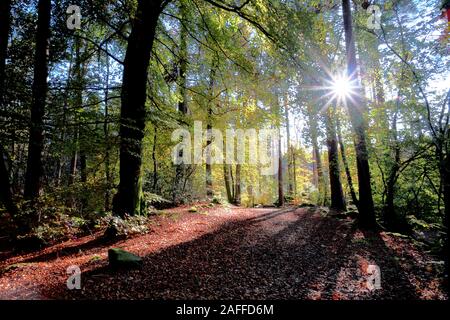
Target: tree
x,y
5,8
337,195
356,112
39,95
133,109
318,166
5,185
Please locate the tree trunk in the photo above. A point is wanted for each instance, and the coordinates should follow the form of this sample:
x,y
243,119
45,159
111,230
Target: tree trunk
x,y
389,213
337,195
208,169
5,186
133,98
182,105
237,188
445,176
155,163
226,175
356,112
289,148
345,162
79,84
5,17
107,142
280,172
181,170
320,179
39,94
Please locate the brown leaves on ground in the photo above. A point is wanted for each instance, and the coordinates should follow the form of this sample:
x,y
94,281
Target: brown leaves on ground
x,y
232,253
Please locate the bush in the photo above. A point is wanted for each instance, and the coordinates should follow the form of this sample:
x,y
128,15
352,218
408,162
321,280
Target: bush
x,y
153,201
218,199
128,226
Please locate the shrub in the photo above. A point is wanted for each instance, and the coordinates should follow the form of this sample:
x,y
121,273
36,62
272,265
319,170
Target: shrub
x,y
128,226
151,201
218,199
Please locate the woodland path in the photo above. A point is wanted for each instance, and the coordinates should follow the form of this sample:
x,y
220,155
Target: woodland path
x,y
231,253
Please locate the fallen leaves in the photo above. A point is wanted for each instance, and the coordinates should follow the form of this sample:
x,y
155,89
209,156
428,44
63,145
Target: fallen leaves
x,y
233,253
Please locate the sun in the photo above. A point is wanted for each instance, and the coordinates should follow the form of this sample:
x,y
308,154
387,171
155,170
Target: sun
x,y
342,87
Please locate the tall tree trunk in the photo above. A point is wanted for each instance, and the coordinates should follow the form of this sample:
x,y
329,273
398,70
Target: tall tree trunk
x,y
445,177
345,162
337,195
181,170
356,112
155,163
237,188
226,175
79,84
321,184
39,94
6,198
289,147
182,105
74,158
294,170
107,142
389,213
133,97
5,17
208,167
280,171
5,186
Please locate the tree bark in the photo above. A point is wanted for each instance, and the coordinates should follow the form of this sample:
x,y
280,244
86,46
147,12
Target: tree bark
x,y
237,188
346,166
155,163
5,17
389,213
181,170
208,167
5,186
337,195
445,176
39,94
107,142
356,112
289,148
280,172
133,112
321,185
226,175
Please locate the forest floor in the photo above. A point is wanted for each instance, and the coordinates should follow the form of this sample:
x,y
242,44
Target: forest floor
x,y
232,253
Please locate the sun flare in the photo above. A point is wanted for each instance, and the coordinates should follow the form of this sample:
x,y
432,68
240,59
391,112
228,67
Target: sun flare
x,y
342,87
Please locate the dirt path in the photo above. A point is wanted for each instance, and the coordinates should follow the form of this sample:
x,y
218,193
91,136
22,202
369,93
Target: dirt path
x,y
232,254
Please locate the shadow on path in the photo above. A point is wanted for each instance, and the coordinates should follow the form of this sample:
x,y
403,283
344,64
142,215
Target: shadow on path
x,y
286,254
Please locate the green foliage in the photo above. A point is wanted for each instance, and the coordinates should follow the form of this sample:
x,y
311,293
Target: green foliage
x,y
128,226
151,201
218,199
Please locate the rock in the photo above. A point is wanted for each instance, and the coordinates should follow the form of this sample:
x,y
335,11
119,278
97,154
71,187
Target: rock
x,y
193,209
119,258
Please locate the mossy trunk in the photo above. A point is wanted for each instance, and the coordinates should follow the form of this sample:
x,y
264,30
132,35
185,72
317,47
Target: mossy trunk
x,y
133,110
